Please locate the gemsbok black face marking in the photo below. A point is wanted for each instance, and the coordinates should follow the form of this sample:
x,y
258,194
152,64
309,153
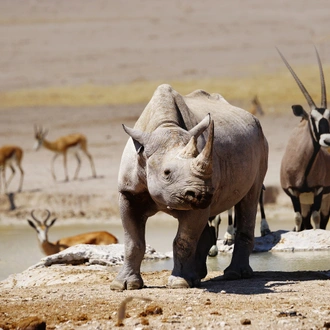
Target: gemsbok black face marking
x,y
319,116
305,167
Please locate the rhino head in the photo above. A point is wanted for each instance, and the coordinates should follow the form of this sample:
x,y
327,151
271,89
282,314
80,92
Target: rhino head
x,y
178,175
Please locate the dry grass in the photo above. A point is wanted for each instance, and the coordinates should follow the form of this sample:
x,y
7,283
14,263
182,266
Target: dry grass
x,y
273,91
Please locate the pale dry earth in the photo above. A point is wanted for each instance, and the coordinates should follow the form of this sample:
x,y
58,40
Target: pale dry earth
x,y
271,300
62,43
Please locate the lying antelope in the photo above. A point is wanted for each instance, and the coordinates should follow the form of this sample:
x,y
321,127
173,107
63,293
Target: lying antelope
x,y
48,248
9,156
305,167
63,145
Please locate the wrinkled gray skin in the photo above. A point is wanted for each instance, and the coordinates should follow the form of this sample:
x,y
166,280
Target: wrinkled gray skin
x,y
173,164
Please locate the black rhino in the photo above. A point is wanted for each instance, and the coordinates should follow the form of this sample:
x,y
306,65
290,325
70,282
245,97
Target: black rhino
x,y
192,157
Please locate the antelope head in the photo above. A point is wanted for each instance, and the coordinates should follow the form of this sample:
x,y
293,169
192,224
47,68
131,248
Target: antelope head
x,y
41,227
39,134
318,117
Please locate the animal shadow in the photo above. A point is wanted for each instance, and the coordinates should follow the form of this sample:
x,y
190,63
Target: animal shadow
x,y
261,282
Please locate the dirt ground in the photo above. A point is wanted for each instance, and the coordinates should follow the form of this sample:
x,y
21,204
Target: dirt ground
x,y
68,43
268,300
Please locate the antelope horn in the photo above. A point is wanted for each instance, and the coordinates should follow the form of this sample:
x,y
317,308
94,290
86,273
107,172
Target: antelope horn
x,y
47,216
34,218
202,164
300,84
323,88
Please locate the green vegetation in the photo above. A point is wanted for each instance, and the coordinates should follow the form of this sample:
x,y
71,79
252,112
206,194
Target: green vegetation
x,y
274,90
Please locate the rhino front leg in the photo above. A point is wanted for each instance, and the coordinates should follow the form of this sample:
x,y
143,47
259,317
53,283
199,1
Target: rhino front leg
x,y
134,221
190,249
245,212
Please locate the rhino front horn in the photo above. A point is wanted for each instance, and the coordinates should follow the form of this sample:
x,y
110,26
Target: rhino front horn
x,y
203,164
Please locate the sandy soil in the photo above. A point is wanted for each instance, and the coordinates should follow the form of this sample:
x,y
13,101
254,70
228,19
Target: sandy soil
x,y
268,300
78,42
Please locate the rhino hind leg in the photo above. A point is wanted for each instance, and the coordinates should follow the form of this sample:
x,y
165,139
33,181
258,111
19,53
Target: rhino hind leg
x,y
245,213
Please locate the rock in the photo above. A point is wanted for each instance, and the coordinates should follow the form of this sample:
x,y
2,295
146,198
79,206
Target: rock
x,y
281,240
105,255
54,269
306,240
268,242
245,321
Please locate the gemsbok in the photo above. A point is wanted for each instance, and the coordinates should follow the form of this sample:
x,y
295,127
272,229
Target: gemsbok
x,y
48,248
63,145
305,167
10,155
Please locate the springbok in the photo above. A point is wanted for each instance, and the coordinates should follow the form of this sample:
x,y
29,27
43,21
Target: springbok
x,y
256,108
305,167
63,145
48,248
229,237
9,156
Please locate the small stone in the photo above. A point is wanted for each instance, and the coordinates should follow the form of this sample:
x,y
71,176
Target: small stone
x,y
32,323
245,321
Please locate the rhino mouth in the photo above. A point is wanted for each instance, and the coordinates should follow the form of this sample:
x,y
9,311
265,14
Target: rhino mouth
x,y
191,200
200,201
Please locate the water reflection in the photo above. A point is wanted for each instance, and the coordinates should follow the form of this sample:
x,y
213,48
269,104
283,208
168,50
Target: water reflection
x,y
279,261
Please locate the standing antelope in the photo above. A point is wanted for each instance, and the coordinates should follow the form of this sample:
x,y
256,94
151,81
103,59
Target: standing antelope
x,y
10,155
305,167
64,144
48,248
256,108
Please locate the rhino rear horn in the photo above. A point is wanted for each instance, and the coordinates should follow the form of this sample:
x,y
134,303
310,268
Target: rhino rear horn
x,y
191,150
203,163
197,130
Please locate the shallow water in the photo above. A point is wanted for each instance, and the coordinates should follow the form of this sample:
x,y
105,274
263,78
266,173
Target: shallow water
x,y
19,248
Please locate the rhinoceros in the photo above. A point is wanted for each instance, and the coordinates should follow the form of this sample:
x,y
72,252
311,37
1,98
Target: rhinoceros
x,y
192,157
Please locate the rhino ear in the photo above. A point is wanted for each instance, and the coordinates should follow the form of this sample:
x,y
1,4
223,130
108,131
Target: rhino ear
x,y
201,127
139,138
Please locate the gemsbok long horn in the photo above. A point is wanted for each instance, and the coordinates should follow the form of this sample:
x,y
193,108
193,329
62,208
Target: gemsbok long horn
x,y
300,84
323,88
